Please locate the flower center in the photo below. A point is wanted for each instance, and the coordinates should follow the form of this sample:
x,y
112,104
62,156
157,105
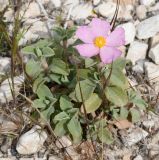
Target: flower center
x,y
100,41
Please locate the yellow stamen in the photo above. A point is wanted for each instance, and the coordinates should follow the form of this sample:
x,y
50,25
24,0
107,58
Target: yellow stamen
x,y
100,42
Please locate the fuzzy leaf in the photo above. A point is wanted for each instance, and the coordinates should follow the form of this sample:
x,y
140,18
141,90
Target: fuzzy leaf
x,y
43,91
85,88
65,103
116,95
92,103
105,136
33,68
59,129
61,116
48,52
75,129
58,66
135,114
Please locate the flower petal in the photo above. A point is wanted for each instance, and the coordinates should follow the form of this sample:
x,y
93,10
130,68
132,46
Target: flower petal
x,y
116,38
87,50
109,54
100,27
85,34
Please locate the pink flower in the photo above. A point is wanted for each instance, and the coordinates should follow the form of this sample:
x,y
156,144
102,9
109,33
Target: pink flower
x,y
98,39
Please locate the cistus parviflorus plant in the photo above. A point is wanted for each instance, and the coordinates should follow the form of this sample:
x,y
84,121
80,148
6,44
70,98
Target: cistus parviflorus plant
x,y
80,88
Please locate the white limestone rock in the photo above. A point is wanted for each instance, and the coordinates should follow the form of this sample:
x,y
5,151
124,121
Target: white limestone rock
x,y
96,2
148,28
5,88
56,3
3,4
147,2
68,4
130,32
81,11
141,11
32,141
5,64
32,11
133,136
152,71
154,54
107,9
139,66
137,51
138,157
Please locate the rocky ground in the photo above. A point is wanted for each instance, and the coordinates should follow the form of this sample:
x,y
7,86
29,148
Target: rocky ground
x,y
140,19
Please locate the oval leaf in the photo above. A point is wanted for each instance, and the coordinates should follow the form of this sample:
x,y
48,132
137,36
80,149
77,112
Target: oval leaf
x,y
116,95
92,103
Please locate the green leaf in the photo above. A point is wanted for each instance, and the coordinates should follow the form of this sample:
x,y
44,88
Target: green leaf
x,y
38,103
42,43
70,32
75,129
117,77
38,52
137,100
84,87
48,112
60,128
120,63
84,73
43,91
105,136
37,82
123,113
135,114
48,52
89,62
65,103
58,66
33,68
55,77
116,95
29,50
61,116
93,103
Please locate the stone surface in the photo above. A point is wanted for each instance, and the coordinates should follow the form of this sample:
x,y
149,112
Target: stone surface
x,y
32,11
133,136
96,2
32,141
130,32
139,66
137,51
5,88
57,3
81,11
106,9
5,64
148,28
154,54
3,4
147,2
152,71
141,12
155,40
66,142
139,157
6,125
54,158
151,121
70,4
39,29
